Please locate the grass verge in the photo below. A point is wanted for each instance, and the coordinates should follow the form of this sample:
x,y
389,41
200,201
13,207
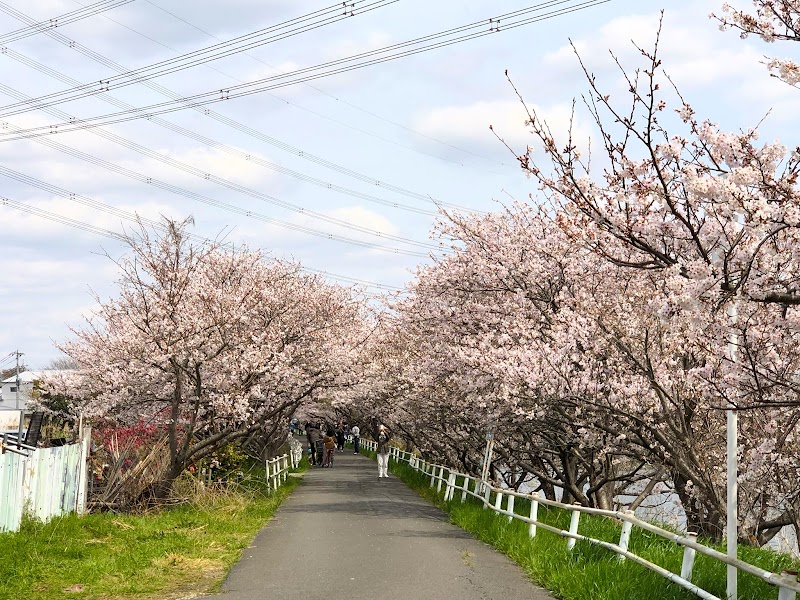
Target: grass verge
x,y
176,552
591,572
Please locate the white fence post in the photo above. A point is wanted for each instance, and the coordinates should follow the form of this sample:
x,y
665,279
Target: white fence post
x,y
451,484
498,501
440,480
625,536
432,474
510,507
785,593
534,514
464,487
688,558
487,494
573,528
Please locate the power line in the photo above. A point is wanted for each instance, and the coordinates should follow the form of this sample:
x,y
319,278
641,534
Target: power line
x,y
303,108
246,156
321,91
82,225
61,20
256,134
227,206
207,176
307,74
287,29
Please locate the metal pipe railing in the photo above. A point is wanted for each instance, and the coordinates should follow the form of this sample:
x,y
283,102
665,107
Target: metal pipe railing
x,y
786,581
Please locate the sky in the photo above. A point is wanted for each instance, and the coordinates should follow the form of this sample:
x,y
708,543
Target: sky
x,y
343,174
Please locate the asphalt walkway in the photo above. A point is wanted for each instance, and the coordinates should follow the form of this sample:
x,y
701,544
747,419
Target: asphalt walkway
x,y
345,533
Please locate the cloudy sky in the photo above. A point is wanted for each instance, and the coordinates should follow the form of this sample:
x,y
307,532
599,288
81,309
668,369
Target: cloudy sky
x,y
340,174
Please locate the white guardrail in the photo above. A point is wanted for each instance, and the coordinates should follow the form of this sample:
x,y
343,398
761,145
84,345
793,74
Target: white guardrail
x,y
278,468
453,482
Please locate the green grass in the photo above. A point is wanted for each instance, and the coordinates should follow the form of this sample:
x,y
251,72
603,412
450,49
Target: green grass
x,y
589,571
171,553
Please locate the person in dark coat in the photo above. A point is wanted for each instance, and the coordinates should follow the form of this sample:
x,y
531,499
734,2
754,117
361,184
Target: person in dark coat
x,y
314,436
340,435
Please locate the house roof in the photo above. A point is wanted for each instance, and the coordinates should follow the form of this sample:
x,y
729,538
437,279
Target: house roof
x,y
25,377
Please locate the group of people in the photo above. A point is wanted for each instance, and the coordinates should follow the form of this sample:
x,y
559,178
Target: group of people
x,y
324,440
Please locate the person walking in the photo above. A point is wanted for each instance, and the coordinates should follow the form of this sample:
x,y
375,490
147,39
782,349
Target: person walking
x,y
382,437
340,435
330,447
356,433
315,440
311,456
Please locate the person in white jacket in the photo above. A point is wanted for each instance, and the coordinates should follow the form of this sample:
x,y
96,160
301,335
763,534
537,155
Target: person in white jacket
x,y
382,437
356,433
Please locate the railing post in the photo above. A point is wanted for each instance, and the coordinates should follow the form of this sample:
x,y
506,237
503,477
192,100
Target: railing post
x,y
573,527
786,593
510,507
487,494
464,485
451,484
439,480
269,483
688,558
534,514
498,501
432,474
625,536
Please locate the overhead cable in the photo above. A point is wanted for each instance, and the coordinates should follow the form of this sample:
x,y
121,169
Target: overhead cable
x,y
286,29
61,20
252,214
78,224
246,129
325,93
233,151
393,52
208,176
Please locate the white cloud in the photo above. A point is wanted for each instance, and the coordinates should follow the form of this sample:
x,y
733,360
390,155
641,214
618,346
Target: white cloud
x,y
469,124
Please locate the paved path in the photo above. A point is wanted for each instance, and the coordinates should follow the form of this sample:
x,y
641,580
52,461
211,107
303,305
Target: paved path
x,y
346,534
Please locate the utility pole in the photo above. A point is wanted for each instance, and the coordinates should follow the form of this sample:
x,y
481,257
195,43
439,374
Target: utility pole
x,y
18,354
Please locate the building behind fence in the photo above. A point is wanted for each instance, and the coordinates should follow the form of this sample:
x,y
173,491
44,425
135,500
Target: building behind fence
x,y
42,482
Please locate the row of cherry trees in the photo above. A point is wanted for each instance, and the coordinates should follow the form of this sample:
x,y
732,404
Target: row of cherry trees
x,y
212,345
602,329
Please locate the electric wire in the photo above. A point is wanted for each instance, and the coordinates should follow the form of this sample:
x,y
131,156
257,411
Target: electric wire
x,y
152,181
305,74
207,176
78,224
247,130
298,25
308,110
325,93
246,156
61,20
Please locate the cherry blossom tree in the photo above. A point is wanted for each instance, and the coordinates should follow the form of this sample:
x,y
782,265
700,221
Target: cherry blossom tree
x,y
710,219
773,20
217,344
